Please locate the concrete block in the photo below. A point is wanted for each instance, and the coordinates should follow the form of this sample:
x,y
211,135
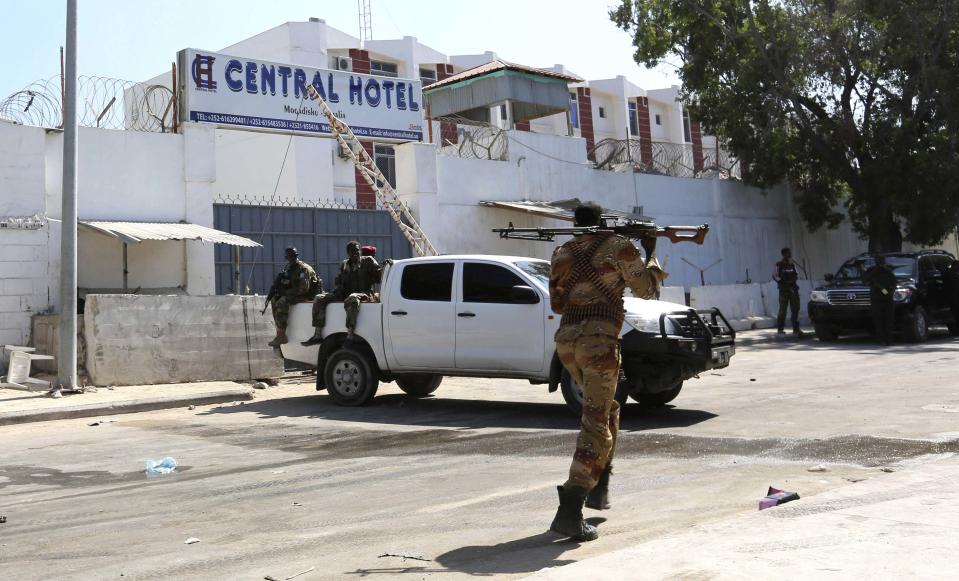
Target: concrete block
x,y
33,303
33,269
135,340
18,252
15,236
10,304
15,321
17,286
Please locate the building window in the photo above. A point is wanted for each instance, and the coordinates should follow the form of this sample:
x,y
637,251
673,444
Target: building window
x,y
502,112
687,131
385,159
573,110
602,112
427,76
659,120
633,119
383,69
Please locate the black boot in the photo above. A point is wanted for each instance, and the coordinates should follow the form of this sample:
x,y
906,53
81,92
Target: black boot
x,y
598,497
316,339
569,517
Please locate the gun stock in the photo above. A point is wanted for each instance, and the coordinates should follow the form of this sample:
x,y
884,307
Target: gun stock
x,y
694,234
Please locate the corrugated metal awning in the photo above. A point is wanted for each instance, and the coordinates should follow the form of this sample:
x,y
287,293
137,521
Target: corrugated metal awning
x,y
558,210
136,232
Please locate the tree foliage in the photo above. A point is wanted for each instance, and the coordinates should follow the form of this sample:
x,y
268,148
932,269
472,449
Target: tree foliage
x,y
853,102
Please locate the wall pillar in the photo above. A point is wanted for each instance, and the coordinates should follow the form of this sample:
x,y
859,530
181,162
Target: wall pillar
x,y
416,185
199,163
447,128
645,132
695,131
361,61
365,196
585,105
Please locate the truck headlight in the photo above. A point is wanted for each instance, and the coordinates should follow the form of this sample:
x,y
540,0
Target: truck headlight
x,y
817,296
644,324
901,295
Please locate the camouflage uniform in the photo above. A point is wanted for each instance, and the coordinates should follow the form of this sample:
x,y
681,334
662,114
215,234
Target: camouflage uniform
x,y
303,285
590,299
354,285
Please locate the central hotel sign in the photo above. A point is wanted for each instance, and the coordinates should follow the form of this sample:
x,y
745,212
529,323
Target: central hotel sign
x,y
231,91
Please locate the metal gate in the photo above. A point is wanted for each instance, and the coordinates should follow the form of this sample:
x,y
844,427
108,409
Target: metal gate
x,y
319,233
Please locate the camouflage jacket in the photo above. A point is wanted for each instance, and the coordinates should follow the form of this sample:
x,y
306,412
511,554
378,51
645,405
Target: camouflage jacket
x,y
303,280
359,277
588,292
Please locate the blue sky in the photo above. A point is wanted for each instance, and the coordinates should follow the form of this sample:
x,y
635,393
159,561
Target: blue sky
x,y
136,40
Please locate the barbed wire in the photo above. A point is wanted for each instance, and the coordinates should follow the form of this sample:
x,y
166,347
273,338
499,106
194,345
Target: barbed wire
x,y
102,102
475,140
287,202
671,159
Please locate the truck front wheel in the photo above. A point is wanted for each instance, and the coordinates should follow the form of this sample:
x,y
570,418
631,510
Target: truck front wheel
x,y
349,377
573,394
660,398
418,384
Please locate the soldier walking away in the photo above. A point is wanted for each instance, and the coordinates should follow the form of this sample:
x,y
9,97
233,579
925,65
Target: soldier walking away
x,y
882,286
785,274
588,276
353,285
296,283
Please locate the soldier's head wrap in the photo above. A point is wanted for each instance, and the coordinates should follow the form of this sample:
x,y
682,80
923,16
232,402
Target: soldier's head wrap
x,y
785,251
588,214
368,250
291,250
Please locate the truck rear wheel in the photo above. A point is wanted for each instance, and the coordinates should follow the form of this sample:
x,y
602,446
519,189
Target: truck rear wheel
x,y
917,326
660,398
418,384
350,378
573,394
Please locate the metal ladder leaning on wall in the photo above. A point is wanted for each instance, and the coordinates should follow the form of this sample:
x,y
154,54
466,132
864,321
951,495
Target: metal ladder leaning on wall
x,y
367,167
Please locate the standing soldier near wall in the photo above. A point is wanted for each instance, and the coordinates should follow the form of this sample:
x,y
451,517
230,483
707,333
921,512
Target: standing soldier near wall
x,y
354,285
588,276
786,275
299,283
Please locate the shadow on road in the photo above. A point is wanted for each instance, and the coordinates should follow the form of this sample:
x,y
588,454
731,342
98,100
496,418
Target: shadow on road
x,y
399,409
524,555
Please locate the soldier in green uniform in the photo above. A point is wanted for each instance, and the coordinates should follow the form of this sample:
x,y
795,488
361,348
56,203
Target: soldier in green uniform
x,y
354,285
587,279
882,286
301,285
786,277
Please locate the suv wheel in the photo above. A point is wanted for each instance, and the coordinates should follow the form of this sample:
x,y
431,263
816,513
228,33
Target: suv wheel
x,y
573,394
917,326
825,332
349,377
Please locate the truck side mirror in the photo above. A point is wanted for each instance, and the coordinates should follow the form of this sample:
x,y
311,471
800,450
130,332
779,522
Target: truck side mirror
x,y
829,277
524,295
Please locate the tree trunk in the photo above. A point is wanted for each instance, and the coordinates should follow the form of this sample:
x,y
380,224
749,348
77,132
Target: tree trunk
x,y
884,232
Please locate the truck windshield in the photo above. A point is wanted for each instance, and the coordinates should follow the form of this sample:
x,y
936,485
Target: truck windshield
x,y
538,269
852,270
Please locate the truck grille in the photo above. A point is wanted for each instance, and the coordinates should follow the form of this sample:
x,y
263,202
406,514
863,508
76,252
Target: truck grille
x,y
851,297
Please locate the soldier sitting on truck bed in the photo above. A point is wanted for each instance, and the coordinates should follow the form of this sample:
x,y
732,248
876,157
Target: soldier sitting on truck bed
x,y
296,283
354,285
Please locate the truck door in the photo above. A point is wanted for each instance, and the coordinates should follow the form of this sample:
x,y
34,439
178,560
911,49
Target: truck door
x,y
495,328
420,323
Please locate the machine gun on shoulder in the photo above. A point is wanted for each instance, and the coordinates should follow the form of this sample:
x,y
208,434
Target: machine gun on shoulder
x,y
630,228
281,282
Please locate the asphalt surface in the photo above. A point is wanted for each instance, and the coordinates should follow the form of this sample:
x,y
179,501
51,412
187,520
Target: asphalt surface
x,y
461,484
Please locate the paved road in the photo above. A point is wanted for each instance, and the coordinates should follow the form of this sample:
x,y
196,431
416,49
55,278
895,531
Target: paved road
x,y
464,480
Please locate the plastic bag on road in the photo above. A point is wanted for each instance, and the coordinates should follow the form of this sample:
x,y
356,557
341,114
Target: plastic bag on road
x,y
157,467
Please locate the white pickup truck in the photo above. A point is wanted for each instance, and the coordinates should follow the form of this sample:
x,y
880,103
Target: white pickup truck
x,y
489,316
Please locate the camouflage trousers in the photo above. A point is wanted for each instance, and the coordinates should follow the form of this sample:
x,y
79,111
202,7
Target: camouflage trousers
x,y
351,303
593,362
788,299
281,308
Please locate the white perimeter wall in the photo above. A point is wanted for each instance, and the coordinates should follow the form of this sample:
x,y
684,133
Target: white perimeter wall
x,y
122,175
748,226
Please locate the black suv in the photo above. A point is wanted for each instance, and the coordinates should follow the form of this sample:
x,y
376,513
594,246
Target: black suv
x,y
927,294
